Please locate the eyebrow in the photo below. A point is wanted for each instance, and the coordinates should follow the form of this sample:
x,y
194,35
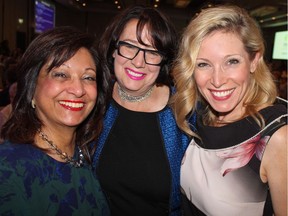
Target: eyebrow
x,y
65,65
202,59
134,43
88,68
91,69
225,57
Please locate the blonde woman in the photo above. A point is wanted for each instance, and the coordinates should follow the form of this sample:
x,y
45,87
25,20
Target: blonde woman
x,y
237,162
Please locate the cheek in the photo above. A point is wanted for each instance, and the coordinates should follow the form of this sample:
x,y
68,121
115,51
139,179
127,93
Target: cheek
x,y
93,93
200,79
119,64
46,88
243,76
154,69
119,60
91,97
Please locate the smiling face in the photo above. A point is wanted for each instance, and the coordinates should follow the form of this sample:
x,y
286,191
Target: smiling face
x,y
222,73
135,76
66,95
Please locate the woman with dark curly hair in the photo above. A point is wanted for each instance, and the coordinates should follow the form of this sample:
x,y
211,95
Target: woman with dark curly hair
x,y
140,149
45,167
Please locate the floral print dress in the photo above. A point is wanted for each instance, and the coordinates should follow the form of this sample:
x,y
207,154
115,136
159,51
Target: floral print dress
x,y
32,183
220,174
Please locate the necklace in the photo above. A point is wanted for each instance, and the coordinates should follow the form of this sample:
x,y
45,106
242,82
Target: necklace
x,y
63,155
124,96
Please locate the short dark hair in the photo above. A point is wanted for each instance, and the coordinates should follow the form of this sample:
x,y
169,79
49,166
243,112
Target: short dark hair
x,y
163,35
56,46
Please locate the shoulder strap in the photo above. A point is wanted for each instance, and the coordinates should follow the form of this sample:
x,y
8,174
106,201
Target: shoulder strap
x,y
270,129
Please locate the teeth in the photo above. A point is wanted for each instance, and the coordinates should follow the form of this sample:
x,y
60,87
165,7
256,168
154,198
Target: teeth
x,y
134,74
70,104
222,93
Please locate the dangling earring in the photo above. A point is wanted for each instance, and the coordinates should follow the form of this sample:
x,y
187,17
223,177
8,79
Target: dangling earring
x,y
33,104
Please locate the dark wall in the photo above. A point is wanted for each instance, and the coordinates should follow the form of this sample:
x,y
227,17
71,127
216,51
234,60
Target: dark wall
x,y
20,35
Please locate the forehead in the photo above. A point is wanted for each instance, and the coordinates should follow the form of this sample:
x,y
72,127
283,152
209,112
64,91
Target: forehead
x,y
82,58
222,43
130,32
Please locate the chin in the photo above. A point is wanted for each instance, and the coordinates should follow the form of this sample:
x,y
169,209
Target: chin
x,y
72,123
222,109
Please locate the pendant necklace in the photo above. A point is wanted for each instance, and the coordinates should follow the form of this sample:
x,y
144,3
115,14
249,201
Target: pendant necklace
x,y
63,155
130,98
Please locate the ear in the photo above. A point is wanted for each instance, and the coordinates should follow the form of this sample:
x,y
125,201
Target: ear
x,y
114,53
254,62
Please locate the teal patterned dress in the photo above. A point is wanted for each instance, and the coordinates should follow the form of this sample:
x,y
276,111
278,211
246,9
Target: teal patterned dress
x,y
32,183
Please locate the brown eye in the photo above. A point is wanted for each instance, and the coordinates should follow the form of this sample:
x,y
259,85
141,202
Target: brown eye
x,y
59,74
90,78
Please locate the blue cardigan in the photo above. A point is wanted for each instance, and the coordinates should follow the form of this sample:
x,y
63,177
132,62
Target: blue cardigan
x,y
175,142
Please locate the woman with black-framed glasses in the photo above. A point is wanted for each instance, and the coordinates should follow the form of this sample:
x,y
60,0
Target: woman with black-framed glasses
x,y
140,149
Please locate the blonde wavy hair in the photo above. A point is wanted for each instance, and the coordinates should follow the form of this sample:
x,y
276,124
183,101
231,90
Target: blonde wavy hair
x,y
262,90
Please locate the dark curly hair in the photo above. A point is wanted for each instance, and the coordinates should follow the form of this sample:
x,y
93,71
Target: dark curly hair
x,y
163,36
56,46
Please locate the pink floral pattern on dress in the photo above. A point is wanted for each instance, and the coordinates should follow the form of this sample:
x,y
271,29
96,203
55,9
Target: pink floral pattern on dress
x,y
240,155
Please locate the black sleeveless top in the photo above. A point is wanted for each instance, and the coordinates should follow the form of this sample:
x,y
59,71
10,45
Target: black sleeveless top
x,y
133,167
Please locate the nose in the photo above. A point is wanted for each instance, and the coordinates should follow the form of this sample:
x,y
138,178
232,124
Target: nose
x,y
139,60
218,77
76,87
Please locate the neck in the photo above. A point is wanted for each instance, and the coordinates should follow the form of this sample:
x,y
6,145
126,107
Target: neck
x,y
59,154
65,140
131,98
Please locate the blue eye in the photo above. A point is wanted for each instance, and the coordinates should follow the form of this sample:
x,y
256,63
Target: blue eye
x,y
202,65
233,61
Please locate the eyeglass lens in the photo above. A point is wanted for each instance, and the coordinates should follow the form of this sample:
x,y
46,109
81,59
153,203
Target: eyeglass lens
x,y
130,51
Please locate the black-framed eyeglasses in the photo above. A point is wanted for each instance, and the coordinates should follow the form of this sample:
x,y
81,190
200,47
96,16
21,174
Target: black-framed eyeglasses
x,y
129,51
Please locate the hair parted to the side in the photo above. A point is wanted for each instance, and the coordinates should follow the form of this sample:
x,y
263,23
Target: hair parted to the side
x,y
55,46
227,18
162,32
